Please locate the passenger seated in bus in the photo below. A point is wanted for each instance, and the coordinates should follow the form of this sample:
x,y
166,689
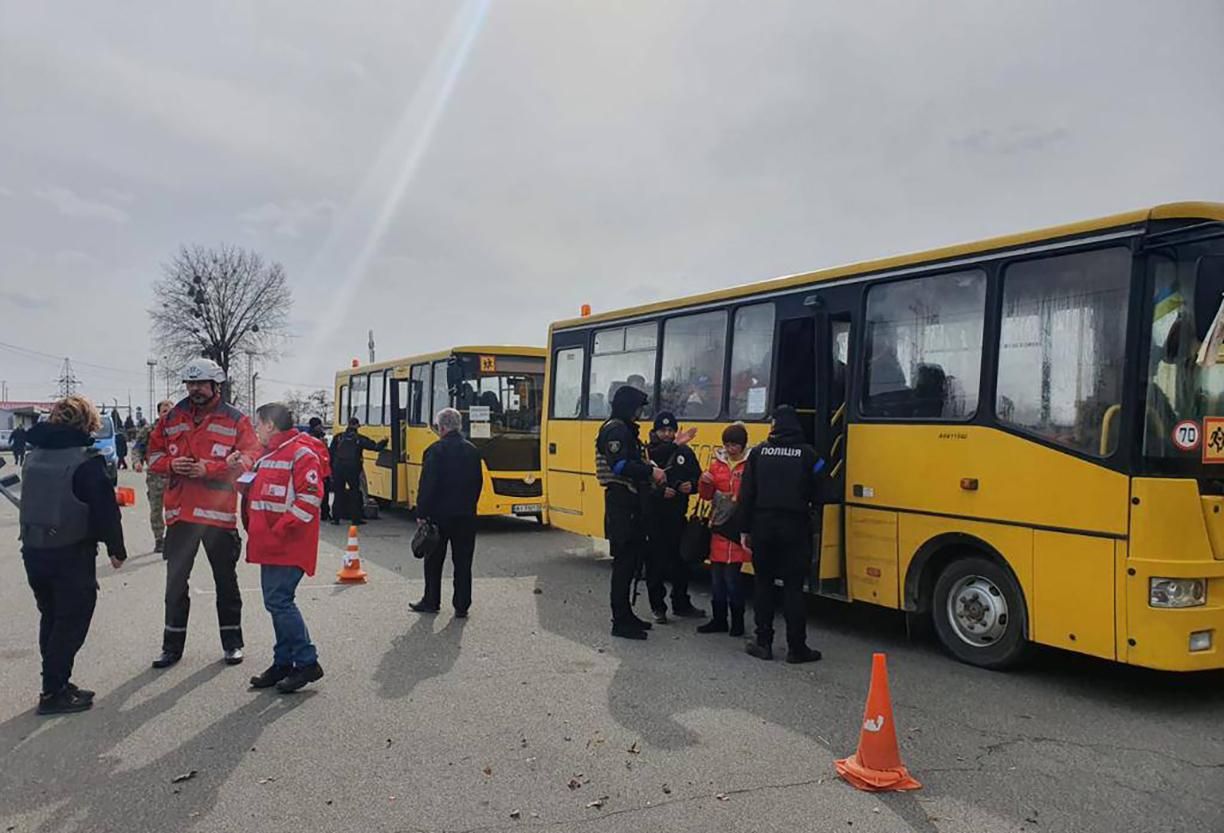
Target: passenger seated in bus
x,y
637,381
930,391
884,373
466,397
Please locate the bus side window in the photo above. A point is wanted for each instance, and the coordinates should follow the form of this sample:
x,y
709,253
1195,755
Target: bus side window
x,y
567,383
924,347
751,362
343,411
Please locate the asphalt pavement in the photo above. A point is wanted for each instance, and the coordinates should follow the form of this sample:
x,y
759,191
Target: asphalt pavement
x,y
528,716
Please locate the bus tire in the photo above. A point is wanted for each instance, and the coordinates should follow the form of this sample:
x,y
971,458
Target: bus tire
x,y
979,613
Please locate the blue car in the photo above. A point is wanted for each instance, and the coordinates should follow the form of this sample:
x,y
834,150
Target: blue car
x,y
104,442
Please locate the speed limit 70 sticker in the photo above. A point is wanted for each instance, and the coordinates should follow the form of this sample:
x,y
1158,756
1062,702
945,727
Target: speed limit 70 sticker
x,y
1186,435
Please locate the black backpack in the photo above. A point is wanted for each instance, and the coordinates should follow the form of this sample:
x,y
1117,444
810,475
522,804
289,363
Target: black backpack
x,y
348,452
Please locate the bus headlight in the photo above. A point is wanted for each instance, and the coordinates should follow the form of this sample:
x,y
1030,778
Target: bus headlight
x,y
1177,592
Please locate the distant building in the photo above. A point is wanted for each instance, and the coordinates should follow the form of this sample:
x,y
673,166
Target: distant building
x,y
24,414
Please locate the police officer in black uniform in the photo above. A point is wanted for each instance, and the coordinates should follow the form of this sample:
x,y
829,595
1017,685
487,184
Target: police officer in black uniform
x,y
666,511
623,470
776,499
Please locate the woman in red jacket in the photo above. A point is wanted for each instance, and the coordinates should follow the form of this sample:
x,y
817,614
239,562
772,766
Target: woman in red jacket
x,y
721,484
280,511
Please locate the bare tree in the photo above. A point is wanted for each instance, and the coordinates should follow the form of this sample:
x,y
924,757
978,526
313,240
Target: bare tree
x,y
306,405
218,303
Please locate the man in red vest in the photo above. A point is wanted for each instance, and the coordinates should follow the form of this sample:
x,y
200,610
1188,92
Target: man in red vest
x,y
280,511
202,446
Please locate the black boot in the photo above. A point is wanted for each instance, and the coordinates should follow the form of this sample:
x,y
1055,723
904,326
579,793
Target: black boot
x,y
166,658
718,619
628,630
737,619
756,649
272,676
796,656
299,677
65,701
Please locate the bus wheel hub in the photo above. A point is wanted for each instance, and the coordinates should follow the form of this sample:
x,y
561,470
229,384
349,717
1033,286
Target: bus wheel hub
x,y
977,611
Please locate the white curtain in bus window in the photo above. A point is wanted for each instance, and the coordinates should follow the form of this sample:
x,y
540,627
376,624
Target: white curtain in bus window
x,y
751,360
622,356
358,397
694,352
567,383
377,395
441,393
924,347
1062,347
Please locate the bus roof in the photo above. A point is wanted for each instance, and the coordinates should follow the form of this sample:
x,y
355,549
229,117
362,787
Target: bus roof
x,y
1168,211
482,349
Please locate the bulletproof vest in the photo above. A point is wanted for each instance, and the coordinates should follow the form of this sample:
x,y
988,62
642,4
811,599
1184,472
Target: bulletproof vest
x,y
603,470
51,515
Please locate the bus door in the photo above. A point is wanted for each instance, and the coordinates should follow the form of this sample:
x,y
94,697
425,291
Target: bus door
x,y
395,456
832,372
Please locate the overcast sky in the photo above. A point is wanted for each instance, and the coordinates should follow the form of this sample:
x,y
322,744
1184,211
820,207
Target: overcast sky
x,y
448,172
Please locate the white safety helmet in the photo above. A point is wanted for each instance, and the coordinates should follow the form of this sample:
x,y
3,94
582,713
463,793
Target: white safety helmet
x,y
203,370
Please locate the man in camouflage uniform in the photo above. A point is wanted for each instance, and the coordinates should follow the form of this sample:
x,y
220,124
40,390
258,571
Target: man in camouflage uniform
x,y
156,483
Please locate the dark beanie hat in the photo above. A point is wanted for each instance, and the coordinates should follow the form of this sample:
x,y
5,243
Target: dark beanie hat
x,y
735,433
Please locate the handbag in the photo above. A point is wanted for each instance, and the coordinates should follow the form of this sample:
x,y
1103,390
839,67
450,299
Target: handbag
x,y
426,539
695,540
724,517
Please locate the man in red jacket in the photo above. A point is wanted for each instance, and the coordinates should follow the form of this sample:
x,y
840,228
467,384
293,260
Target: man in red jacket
x,y
280,511
202,446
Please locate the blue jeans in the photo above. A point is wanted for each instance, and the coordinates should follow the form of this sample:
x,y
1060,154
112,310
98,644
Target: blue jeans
x,y
725,583
293,645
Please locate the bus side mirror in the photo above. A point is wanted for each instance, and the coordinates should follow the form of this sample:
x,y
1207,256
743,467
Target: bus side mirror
x,y
1208,292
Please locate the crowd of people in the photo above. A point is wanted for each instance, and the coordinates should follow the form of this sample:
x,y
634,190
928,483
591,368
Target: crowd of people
x,y
209,467
760,507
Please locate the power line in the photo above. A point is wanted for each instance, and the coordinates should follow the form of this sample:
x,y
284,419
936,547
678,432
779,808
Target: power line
x,y
29,353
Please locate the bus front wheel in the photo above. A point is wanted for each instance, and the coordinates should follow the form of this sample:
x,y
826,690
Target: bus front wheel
x,y
979,613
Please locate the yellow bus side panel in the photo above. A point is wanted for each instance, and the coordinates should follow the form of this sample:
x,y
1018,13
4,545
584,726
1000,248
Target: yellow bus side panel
x,y
1120,618
1167,522
830,542
565,436
1073,606
921,467
1014,543
871,556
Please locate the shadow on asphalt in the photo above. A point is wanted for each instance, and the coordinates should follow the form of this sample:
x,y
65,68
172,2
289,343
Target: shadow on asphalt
x,y
92,790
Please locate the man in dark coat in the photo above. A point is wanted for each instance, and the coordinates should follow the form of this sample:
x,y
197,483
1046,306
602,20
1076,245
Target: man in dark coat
x,y
452,478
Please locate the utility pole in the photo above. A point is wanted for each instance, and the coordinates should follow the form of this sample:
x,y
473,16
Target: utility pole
x,y
371,347
3,391
254,377
152,363
67,380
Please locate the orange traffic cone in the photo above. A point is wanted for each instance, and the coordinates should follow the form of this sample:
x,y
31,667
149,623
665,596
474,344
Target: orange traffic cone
x,y
350,571
877,766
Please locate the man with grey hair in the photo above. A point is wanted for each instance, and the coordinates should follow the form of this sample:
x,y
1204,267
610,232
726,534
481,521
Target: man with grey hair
x,y
451,480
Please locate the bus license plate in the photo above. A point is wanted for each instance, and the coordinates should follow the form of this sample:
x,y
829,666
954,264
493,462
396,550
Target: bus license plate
x,y
525,508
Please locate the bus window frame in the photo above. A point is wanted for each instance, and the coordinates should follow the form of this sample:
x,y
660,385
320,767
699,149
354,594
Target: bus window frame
x,y
342,403
366,407
661,340
424,388
551,378
990,276
433,410
1128,462
382,400
732,313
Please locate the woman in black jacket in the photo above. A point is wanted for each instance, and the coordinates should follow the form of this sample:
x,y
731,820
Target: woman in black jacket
x,y
68,506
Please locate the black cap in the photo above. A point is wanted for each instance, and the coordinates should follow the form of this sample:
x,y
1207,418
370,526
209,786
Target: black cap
x,y
665,419
315,422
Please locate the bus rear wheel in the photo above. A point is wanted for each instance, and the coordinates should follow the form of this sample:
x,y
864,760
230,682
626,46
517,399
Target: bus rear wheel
x,y
979,613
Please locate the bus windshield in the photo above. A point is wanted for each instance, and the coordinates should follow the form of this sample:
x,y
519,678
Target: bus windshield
x,y
513,402
1181,388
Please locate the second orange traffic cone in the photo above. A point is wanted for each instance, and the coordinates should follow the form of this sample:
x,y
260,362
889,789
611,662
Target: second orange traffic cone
x,y
876,766
350,571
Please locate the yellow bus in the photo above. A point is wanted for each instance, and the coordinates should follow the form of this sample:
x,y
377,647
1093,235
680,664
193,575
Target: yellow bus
x,y
1025,435
499,391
